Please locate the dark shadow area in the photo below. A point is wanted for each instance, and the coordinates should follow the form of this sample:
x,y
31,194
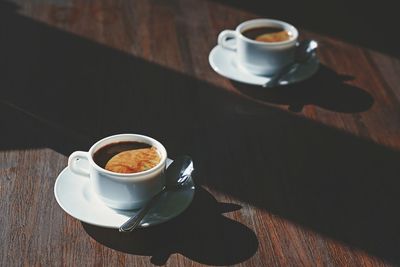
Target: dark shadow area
x,y
61,91
23,130
202,233
326,89
340,186
369,24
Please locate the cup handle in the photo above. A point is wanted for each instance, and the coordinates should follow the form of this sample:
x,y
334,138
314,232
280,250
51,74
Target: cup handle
x,y
74,158
223,38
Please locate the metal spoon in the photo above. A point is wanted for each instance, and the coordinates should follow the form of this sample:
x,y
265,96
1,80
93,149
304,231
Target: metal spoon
x,y
177,174
303,53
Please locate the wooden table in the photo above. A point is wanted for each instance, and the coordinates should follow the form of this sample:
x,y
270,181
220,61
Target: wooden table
x,y
300,175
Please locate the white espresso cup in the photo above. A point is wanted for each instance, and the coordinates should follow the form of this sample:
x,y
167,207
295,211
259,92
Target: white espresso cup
x,y
121,190
260,58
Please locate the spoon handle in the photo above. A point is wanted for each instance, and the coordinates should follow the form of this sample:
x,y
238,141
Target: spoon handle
x,y
276,79
134,221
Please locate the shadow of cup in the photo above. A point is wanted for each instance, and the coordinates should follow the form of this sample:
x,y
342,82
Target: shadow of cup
x,y
201,233
326,89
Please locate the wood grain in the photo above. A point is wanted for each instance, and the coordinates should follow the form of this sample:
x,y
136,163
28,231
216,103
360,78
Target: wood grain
x,y
301,175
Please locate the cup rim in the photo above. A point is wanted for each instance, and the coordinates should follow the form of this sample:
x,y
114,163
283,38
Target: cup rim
x,y
136,175
285,25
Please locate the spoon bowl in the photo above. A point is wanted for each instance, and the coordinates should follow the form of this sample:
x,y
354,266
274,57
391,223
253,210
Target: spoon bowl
x,y
177,174
304,51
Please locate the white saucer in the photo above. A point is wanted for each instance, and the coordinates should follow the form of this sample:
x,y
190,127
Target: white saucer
x,y
223,61
76,197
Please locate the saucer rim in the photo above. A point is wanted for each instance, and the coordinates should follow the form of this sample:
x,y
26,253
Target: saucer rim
x,y
191,186
214,66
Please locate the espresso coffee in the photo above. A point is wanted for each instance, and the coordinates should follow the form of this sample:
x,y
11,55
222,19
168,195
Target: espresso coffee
x,y
127,157
267,34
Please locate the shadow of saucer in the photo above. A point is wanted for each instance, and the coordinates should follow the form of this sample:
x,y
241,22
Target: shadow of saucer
x,y
326,89
201,233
